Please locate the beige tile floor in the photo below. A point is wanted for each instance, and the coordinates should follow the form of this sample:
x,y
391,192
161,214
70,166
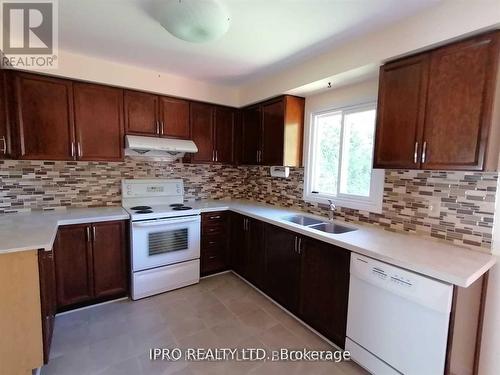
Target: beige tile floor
x,y
219,312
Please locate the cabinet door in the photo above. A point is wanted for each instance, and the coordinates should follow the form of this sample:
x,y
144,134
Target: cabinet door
x,y
238,243
273,132
250,135
401,112
254,252
202,130
224,130
325,288
4,134
458,114
73,258
99,122
48,303
174,118
141,113
109,259
45,117
282,266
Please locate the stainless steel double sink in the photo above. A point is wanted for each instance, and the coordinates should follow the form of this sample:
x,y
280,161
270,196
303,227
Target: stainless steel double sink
x,y
323,226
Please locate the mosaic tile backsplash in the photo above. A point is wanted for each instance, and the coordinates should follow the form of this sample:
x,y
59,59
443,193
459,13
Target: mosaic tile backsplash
x,y
466,200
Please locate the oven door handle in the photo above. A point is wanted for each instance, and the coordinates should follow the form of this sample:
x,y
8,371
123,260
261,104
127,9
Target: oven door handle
x,y
163,222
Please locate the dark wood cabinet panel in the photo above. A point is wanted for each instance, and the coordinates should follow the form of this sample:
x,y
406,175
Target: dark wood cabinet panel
x,y
109,259
401,111
48,301
458,114
73,259
141,113
238,243
202,131
4,133
325,288
174,118
273,132
224,134
99,122
250,134
255,253
45,117
282,267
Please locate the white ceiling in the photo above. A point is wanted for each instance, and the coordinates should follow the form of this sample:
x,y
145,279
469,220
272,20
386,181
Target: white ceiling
x,y
265,35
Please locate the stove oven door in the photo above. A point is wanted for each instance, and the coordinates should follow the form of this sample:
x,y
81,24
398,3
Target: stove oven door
x,y
157,243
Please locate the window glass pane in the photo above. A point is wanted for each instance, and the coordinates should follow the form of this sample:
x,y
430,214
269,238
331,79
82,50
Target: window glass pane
x,y
357,153
327,146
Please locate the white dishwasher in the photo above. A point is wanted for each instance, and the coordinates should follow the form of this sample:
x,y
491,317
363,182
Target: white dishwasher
x,y
397,320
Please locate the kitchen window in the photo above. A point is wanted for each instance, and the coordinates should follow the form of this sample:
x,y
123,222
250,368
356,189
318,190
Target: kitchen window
x,y
340,158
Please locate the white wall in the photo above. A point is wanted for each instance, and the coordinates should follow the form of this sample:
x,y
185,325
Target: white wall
x,y
450,19
490,346
93,69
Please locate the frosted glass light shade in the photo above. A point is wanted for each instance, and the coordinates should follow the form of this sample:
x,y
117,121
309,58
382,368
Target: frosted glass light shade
x,y
196,21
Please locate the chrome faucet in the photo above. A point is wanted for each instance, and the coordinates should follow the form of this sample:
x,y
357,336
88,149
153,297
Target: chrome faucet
x,y
331,213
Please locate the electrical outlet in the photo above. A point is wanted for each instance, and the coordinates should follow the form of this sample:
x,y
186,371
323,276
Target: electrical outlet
x,y
434,208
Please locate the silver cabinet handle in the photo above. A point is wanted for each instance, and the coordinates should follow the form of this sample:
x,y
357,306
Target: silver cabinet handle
x,y
162,128
295,244
79,149
424,151
158,127
73,149
88,233
4,145
93,234
216,155
299,246
415,154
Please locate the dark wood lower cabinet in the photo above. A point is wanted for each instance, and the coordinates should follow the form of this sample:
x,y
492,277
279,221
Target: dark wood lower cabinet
x,y
109,259
73,255
282,260
324,288
309,278
48,302
214,242
91,263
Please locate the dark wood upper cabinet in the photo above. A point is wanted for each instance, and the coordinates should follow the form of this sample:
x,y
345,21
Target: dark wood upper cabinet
x,y
4,132
325,288
48,301
224,134
202,130
73,259
282,261
251,131
272,132
401,111
98,122
459,103
435,109
44,114
141,111
109,259
174,118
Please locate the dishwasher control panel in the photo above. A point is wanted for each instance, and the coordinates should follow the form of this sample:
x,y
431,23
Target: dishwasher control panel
x,y
400,281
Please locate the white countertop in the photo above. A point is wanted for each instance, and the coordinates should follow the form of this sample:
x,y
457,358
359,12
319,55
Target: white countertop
x,y
38,229
445,262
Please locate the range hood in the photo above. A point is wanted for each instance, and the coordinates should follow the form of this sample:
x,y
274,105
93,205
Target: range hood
x,y
164,149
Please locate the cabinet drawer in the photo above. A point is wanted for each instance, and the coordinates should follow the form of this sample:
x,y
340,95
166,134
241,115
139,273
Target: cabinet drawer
x,y
211,218
213,230
215,240
213,262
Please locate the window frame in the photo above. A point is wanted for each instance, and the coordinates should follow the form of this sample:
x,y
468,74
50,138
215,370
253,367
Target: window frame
x,y
372,203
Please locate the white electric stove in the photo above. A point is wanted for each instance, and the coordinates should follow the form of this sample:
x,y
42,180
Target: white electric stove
x,y
165,236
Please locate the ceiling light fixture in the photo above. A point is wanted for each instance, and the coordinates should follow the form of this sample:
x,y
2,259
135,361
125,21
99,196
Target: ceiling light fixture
x,y
196,21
